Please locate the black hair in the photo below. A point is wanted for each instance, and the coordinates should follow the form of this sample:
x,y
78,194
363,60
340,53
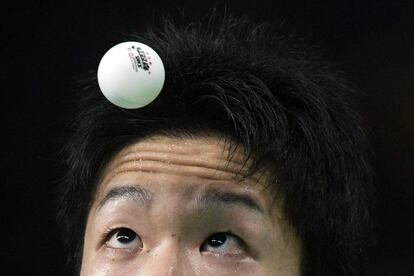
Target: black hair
x,y
272,94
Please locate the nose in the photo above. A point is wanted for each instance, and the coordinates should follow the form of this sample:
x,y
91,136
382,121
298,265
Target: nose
x,y
164,260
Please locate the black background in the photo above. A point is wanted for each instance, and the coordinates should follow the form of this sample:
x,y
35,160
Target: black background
x,y
47,45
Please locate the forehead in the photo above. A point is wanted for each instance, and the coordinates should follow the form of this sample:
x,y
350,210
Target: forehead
x,y
185,164
205,156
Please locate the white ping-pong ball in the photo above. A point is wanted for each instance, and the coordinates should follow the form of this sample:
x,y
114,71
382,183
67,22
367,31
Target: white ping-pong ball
x,y
131,75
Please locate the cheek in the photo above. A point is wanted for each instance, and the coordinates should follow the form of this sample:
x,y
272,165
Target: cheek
x,y
91,265
107,267
194,265
211,266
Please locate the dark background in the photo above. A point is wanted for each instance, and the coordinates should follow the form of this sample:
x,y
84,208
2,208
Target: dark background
x,y
46,45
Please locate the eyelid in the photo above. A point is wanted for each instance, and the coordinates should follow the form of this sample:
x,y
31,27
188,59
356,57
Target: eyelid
x,y
109,232
241,244
132,244
106,235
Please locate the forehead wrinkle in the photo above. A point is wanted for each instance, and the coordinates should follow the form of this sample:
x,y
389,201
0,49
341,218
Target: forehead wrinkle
x,y
161,154
148,166
208,164
185,147
218,164
203,157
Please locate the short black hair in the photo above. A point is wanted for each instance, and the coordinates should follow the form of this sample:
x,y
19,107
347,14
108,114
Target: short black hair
x,y
273,94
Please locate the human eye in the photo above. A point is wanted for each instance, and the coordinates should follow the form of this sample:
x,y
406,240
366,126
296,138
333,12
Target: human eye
x,y
123,238
224,244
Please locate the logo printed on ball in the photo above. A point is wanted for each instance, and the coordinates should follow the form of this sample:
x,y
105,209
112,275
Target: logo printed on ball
x,y
139,59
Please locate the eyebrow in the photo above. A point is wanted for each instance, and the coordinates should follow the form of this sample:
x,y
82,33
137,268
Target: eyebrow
x,y
136,193
213,197
204,200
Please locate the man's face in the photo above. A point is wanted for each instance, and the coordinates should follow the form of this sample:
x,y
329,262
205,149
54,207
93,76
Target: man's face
x,y
174,206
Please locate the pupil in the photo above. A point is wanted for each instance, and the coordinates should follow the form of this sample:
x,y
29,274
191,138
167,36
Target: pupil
x,y
125,235
217,239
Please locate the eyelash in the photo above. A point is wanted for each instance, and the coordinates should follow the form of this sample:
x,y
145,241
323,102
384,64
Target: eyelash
x,y
109,233
229,235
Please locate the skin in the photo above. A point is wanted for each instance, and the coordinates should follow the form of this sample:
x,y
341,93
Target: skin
x,y
187,213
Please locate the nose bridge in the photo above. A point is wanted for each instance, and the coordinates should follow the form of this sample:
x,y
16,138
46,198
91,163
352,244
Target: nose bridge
x,y
164,260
